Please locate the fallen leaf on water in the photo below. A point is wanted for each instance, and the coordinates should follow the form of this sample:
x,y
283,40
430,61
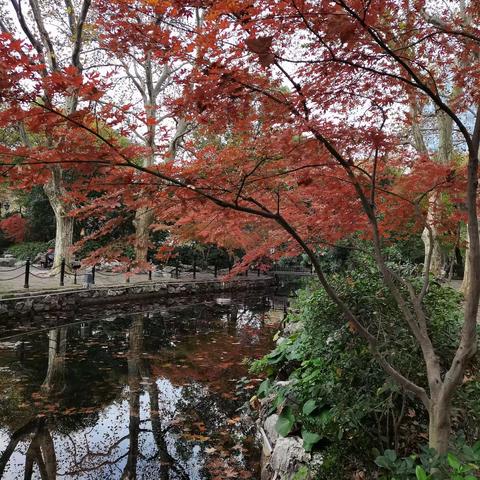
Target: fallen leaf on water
x,y
195,438
233,420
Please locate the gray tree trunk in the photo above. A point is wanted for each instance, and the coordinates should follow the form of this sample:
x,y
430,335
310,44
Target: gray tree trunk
x,y
439,254
439,426
56,194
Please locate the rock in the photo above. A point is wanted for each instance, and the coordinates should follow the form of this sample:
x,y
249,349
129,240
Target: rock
x,y
39,307
7,262
316,462
288,455
269,427
113,293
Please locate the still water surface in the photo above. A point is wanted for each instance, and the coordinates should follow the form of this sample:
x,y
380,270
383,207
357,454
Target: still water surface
x,y
152,393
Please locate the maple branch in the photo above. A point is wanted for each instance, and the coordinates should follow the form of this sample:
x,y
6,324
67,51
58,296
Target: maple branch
x,y
47,42
364,333
249,174
443,27
418,83
78,32
265,213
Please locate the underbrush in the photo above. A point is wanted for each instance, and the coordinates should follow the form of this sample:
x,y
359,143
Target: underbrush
x,y
23,251
335,396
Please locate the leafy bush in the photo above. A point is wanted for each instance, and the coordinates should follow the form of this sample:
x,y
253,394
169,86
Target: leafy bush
x,y
22,251
463,464
337,396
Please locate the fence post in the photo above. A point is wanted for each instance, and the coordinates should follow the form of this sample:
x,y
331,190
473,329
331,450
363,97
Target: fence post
x,y
311,267
62,273
215,270
93,275
194,267
246,271
128,276
150,274
258,271
27,273
75,277
176,269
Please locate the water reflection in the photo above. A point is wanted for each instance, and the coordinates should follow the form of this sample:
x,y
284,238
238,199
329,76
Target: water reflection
x,y
153,394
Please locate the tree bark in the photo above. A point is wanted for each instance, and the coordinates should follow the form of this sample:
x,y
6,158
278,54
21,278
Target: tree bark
x,y
438,260
143,220
439,426
466,273
64,223
439,254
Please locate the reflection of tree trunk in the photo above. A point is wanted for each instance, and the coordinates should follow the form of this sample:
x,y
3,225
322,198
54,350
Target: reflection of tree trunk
x,y
42,452
15,438
56,194
137,369
157,431
57,345
135,339
233,314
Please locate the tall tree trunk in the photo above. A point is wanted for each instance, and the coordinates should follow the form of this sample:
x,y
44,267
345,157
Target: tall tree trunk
x,y
143,220
439,427
466,272
439,256
56,194
143,216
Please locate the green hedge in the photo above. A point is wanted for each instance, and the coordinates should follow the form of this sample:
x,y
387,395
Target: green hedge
x,y
22,251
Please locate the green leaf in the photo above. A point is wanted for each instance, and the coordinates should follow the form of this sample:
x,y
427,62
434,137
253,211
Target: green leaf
x,y
382,462
420,473
309,439
325,416
390,455
301,474
285,422
453,461
309,406
263,388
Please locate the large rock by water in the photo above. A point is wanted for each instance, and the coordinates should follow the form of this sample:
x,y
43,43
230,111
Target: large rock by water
x,y
288,456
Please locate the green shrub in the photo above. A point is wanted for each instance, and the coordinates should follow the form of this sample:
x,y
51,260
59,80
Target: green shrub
x,y
461,464
337,397
22,251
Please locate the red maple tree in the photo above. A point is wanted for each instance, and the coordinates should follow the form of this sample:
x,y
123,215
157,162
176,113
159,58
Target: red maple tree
x,y
300,110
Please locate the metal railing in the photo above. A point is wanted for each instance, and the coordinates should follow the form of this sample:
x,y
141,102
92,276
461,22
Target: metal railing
x,y
30,271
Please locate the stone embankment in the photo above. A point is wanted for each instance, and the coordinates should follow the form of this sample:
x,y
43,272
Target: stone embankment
x,y
283,458
47,301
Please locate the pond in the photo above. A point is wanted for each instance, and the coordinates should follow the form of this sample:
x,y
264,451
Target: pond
x,y
154,392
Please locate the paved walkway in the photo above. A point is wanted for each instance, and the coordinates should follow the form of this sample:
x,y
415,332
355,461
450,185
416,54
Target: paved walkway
x,y
13,279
